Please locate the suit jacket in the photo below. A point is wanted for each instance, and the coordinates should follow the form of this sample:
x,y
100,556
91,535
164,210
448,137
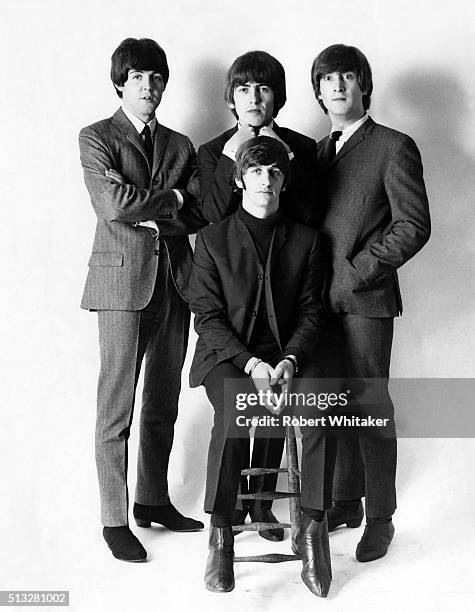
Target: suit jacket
x,y
226,284
124,260
219,194
374,214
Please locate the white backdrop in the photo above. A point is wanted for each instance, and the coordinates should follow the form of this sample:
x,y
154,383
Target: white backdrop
x,y
55,80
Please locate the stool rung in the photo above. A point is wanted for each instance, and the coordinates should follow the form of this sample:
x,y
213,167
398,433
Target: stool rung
x,y
258,526
268,495
270,558
259,471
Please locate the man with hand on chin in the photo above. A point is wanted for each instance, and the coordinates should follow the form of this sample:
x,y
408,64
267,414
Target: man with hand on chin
x,y
255,92
375,215
141,177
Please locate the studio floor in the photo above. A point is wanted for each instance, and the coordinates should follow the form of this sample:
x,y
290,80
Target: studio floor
x,y
430,565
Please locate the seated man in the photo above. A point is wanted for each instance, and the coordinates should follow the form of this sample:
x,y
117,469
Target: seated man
x,y
255,92
255,291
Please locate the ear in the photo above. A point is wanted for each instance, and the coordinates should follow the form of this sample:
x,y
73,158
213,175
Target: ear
x,y
239,183
231,105
283,188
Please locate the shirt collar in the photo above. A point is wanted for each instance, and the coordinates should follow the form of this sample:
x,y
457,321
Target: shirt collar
x,y
138,123
351,129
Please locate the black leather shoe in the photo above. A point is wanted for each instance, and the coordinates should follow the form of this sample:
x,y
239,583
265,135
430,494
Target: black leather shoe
x,y
260,515
168,516
314,550
123,544
376,539
239,518
219,575
343,512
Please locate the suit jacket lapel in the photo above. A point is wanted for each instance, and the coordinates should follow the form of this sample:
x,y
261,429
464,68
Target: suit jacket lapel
x,y
356,139
280,237
160,142
246,238
130,132
325,153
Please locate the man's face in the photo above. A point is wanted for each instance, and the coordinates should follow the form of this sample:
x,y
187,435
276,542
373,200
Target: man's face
x,y
262,186
142,93
342,96
253,103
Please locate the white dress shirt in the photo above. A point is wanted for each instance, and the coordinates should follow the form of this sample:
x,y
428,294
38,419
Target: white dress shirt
x,y
348,132
139,126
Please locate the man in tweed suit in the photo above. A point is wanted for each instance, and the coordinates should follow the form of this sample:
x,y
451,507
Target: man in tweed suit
x,y
374,214
141,179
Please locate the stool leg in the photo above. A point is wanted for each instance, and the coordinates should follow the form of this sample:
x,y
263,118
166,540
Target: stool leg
x,y
293,482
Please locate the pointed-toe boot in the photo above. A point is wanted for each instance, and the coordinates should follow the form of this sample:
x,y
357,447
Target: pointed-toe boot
x,y
219,575
314,550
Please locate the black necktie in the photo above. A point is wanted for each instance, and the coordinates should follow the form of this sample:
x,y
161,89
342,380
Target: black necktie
x,y
334,136
147,143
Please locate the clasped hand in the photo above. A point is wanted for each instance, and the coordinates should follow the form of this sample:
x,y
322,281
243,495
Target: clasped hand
x,y
245,133
265,377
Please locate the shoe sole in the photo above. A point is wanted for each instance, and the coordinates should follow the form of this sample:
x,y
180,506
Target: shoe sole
x,y
309,587
372,558
271,538
147,524
219,590
130,560
351,524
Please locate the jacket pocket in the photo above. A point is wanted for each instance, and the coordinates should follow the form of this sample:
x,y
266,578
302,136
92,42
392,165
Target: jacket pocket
x,y
106,258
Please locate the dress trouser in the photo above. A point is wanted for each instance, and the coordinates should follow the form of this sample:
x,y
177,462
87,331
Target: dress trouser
x,y
229,449
360,347
159,333
266,452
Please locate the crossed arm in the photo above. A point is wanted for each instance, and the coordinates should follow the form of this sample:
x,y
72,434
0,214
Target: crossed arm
x,y
114,199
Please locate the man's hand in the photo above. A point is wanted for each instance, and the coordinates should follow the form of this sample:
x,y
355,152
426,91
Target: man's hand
x,y
115,176
266,130
283,373
244,133
262,375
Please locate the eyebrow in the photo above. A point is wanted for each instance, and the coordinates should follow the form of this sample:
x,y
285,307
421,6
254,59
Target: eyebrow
x,y
142,71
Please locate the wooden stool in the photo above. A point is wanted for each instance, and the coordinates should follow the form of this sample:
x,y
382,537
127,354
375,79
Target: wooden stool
x,y
293,494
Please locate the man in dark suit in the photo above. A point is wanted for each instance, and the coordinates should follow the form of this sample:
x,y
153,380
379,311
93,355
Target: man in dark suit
x,y
375,215
255,290
140,176
255,92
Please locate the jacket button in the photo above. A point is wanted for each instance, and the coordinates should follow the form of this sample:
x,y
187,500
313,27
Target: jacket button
x,y
260,276
254,313
156,252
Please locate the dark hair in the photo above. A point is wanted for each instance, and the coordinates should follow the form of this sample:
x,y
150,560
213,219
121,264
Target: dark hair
x,y
134,54
260,67
342,58
262,151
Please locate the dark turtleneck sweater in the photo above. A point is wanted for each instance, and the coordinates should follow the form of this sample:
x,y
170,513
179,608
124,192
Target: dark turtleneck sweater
x,y
261,231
